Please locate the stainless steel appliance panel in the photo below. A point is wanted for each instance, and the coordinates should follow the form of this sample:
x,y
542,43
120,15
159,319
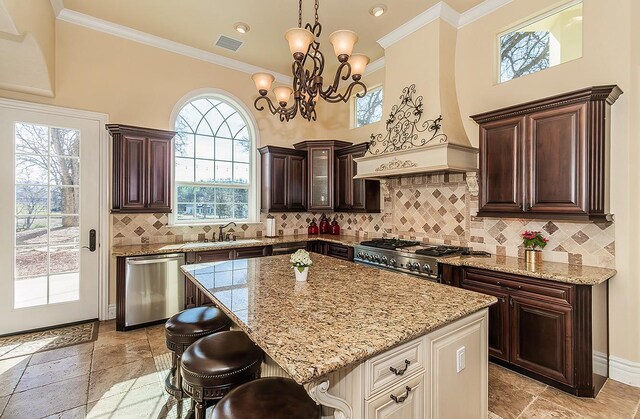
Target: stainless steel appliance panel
x,y
154,288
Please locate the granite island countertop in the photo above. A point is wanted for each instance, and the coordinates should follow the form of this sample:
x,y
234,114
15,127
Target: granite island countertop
x,y
344,314
153,249
553,271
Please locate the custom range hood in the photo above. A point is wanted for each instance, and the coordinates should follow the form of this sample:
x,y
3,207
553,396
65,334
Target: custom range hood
x,y
415,145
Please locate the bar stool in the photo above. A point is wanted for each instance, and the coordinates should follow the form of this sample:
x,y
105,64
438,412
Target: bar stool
x,y
182,330
273,398
216,364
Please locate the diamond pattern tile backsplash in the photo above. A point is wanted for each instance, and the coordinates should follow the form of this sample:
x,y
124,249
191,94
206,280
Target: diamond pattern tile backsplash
x,y
430,208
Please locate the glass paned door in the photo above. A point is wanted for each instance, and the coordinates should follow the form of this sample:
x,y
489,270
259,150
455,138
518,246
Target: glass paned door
x,y
47,209
49,177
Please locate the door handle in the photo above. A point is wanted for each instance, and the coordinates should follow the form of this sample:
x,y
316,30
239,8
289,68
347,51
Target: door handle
x,y
92,241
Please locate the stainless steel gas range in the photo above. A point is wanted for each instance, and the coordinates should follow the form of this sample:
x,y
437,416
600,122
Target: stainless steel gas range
x,y
406,256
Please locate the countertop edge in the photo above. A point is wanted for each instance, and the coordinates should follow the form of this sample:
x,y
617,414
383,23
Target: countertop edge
x,y
482,263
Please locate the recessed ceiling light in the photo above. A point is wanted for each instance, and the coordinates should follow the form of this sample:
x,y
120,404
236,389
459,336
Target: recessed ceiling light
x,y
241,27
378,10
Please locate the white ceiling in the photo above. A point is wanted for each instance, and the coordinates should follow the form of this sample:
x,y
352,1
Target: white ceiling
x,y
198,23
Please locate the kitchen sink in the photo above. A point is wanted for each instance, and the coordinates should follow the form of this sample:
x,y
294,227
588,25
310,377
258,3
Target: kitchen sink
x,y
196,245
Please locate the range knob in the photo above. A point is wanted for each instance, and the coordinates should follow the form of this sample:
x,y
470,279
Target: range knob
x,y
427,268
367,256
376,258
361,255
413,266
384,260
392,262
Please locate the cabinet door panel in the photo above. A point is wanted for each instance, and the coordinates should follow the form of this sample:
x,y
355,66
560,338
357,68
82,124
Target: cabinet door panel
x,y
501,165
498,319
214,256
159,175
556,147
134,173
343,183
541,338
252,252
320,178
279,173
296,183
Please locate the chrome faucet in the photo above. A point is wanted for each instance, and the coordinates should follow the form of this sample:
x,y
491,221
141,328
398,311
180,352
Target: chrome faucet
x,y
221,237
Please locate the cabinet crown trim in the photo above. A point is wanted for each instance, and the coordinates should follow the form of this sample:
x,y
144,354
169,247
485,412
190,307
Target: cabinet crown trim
x,y
608,93
130,129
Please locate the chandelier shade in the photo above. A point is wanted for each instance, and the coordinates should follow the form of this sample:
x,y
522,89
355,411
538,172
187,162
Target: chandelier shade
x,y
308,66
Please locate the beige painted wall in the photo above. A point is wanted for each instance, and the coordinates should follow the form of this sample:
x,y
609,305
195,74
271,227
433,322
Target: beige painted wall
x,y
608,58
140,85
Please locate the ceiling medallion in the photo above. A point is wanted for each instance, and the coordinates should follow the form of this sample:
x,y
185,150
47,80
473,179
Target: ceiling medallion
x,y
307,69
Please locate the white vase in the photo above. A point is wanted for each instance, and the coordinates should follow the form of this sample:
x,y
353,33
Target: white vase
x,y
301,276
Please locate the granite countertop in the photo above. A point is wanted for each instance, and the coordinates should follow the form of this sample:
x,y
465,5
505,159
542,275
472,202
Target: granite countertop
x,y
554,271
152,249
344,314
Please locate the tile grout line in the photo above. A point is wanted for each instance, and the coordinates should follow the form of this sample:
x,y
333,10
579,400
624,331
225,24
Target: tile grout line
x,y
527,406
637,410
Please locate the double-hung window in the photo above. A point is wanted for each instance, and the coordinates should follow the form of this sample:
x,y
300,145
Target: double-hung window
x,y
214,149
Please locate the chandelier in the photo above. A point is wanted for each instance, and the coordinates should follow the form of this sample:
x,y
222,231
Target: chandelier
x,y
307,69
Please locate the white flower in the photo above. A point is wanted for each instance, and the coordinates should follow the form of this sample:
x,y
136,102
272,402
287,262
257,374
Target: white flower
x,y
301,258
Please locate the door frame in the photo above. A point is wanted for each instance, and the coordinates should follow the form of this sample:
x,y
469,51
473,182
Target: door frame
x,y
104,242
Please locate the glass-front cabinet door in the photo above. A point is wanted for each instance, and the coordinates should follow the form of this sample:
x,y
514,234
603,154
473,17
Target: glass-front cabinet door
x,y
320,193
320,155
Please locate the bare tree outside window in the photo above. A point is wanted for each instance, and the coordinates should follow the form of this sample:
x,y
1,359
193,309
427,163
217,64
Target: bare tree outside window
x,y
523,53
368,109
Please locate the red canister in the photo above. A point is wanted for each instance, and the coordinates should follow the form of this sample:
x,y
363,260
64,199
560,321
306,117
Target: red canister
x,y
313,227
325,226
335,228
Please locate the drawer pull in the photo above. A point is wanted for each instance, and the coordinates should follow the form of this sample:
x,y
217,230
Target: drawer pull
x,y
402,371
401,399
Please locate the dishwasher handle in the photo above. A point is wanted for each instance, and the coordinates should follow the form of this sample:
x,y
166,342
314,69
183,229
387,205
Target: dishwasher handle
x,y
145,260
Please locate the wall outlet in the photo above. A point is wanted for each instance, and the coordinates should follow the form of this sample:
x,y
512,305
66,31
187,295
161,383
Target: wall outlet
x,y
460,359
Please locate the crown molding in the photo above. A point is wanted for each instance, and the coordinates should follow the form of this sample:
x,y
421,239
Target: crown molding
x,y
125,32
374,66
6,21
58,6
444,12
481,10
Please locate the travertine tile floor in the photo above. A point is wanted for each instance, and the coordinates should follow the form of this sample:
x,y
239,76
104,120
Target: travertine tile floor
x,y
120,375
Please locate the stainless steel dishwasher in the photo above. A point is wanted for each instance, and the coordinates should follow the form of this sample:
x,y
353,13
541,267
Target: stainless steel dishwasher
x,y
154,288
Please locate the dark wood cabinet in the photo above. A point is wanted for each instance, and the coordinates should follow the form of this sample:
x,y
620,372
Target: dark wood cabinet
x,y
554,332
320,177
141,169
548,158
335,250
252,252
354,195
284,179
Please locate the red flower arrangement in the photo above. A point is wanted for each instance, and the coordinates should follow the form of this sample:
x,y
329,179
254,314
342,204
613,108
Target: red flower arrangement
x,y
533,239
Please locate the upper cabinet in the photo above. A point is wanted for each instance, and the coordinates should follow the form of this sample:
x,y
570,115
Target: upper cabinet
x,y
354,195
284,179
320,155
548,158
141,159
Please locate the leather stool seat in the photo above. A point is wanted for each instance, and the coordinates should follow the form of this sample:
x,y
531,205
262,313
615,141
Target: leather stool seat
x,y
189,325
273,398
217,363
182,330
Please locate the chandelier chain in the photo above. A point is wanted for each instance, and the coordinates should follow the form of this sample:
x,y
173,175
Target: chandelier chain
x,y
300,13
316,7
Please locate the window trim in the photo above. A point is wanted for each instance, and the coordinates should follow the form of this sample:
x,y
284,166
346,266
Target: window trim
x,y
254,138
524,23
354,105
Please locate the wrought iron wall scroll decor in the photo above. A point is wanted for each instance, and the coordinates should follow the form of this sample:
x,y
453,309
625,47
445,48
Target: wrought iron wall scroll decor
x,y
404,128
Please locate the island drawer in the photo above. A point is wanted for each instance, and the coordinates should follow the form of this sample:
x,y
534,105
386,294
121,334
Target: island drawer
x,y
388,369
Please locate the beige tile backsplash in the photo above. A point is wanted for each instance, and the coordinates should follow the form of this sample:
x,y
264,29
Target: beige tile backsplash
x,y
429,208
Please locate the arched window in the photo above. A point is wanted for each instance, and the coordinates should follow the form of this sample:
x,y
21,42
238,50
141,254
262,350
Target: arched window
x,y
214,153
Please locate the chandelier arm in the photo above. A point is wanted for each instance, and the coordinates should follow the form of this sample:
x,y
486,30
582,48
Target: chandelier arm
x,y
344,97
332,88
272,108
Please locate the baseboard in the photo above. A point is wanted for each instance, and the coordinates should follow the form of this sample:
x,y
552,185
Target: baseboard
x,y
624,371
112,312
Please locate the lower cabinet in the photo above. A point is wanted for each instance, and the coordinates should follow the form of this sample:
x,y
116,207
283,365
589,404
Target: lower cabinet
x,y
335,250
547,330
